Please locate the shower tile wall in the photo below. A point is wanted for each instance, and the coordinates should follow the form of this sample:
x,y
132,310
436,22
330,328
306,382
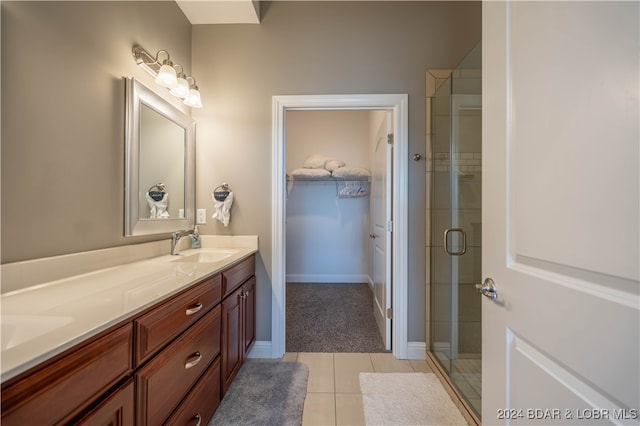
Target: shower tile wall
x,y
434,79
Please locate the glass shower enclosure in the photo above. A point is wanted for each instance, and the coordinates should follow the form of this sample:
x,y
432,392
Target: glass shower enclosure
x,y
456,228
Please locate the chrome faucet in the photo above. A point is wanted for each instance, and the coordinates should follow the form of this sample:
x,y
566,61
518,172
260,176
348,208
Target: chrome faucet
x,y
175,240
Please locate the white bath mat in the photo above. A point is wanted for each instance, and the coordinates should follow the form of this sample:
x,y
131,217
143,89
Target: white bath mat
x,y
407,399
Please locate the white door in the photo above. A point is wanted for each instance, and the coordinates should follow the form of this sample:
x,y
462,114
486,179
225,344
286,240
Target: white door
x,y
381,217
560,213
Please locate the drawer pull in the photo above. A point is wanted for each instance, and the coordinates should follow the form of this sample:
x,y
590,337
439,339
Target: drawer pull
x,y
195,309
193,361
198,417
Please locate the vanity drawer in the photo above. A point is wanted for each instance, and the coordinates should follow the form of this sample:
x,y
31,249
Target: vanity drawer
x,y
237,274
116,410
199,406
61,390
164,381
163,323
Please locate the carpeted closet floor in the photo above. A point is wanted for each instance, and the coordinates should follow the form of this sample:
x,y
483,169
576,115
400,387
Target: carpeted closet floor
x,y
331,318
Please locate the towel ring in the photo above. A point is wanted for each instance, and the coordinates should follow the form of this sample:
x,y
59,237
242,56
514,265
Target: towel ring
x,y
221,192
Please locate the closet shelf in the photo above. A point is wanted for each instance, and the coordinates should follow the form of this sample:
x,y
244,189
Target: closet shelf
x,y
345,188
329,179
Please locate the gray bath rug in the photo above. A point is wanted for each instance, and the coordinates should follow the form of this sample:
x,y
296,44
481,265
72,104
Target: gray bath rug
x,y
264,393
407,399
331,317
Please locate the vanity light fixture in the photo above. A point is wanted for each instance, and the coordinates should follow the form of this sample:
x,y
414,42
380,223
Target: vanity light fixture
x,y
166,76
193,98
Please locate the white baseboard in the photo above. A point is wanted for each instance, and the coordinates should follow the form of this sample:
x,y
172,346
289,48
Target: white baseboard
x,y
300,278
261,349
416,350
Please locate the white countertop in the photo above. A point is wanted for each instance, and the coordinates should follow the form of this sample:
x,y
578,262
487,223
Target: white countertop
x,y
41,321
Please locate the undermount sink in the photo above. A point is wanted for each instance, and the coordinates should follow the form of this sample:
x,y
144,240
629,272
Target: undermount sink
x,y
18,329
207,256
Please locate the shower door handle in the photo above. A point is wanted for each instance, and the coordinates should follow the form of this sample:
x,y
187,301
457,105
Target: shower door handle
x,y
488,288
446,242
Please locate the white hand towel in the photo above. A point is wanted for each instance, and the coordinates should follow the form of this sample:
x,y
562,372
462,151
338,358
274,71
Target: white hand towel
x,y
223,209
158,209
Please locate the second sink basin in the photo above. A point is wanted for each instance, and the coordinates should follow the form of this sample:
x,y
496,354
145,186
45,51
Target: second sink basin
x,y
18,329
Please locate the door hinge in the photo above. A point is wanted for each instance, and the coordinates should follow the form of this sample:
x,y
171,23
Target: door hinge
x,y
390,226
390,138
390,313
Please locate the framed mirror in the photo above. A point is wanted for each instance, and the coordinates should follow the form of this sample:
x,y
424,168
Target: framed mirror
x,y
159,164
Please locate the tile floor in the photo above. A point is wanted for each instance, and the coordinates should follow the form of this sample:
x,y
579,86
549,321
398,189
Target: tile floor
x,y
333,388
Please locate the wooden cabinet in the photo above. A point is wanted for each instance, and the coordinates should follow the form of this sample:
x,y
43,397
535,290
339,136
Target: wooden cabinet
x,y
61,390
115,410
166,379
249,314
157,327
238,319
169,364
232,342
202,401
237,274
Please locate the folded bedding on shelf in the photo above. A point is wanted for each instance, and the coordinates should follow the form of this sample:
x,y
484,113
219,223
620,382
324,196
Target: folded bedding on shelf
x,y
316,161
356,173
310,174
333,164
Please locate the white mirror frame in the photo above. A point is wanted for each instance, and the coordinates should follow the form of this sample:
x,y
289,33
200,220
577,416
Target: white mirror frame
x,y
136,94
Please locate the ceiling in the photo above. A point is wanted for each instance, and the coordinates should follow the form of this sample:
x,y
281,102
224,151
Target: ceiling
x,y
200,12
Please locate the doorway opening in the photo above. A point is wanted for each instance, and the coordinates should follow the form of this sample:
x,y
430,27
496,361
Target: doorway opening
x,y
398,105
338,186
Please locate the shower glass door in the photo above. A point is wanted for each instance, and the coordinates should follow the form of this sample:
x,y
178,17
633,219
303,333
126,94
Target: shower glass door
x,y
456,227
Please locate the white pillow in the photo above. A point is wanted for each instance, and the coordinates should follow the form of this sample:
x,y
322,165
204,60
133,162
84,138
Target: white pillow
x,y
315,161
333,164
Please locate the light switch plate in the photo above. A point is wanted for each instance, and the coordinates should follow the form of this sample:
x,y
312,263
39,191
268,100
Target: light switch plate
x,y
201,218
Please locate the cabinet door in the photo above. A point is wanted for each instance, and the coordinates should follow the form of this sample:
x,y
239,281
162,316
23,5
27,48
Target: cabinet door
x,y
232,340
249,309
60,391
116,410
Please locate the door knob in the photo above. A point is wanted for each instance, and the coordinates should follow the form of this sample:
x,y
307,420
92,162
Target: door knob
x,y
488,288
373,236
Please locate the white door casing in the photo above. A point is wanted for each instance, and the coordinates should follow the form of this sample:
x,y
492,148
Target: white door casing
x,y
560,213
398,104
381,213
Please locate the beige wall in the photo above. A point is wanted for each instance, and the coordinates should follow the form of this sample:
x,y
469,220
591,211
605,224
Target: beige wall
x,y
63,118
338,134
316,48
63,131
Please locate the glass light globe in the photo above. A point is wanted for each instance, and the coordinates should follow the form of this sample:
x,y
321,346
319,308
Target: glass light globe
x,y
182,88
193,100
167,76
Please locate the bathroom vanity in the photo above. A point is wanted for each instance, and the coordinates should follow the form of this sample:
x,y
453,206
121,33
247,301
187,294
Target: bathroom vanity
x,y
173,345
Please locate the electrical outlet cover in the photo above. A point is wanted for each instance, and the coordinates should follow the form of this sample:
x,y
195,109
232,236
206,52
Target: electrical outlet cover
x,y
202,216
